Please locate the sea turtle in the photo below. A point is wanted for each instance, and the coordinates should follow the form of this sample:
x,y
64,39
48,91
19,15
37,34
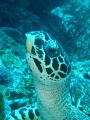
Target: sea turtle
x,y
51,70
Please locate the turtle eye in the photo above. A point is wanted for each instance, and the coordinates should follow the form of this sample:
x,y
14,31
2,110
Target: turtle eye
x,y
52,52
52,48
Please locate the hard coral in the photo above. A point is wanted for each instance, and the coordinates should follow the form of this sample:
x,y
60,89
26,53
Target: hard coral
x,y
5,76
1,107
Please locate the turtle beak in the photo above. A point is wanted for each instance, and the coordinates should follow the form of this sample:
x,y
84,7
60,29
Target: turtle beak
x,y
29,42
28,46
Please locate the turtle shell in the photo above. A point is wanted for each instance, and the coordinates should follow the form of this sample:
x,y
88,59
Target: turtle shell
x,y
80,94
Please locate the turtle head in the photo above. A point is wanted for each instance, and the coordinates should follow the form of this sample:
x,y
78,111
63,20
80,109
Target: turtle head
x,y
46,57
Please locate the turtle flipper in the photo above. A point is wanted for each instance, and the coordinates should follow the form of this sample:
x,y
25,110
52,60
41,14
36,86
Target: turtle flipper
x,y
25,113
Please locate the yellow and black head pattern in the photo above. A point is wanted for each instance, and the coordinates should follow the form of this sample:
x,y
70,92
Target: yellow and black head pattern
x,y
46,57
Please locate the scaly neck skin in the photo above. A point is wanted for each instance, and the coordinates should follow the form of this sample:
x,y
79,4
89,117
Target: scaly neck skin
x,y
53,100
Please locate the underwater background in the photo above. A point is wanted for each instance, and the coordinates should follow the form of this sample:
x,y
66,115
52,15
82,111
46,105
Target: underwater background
x,y
68,21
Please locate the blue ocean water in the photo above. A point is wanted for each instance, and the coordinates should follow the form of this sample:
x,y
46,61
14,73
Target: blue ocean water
x,y
68,22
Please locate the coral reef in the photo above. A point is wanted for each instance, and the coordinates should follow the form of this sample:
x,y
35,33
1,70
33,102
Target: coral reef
x,y
86,76
76,26
15,83
36,7
8,45
69,23
5,76
80,68
1,107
